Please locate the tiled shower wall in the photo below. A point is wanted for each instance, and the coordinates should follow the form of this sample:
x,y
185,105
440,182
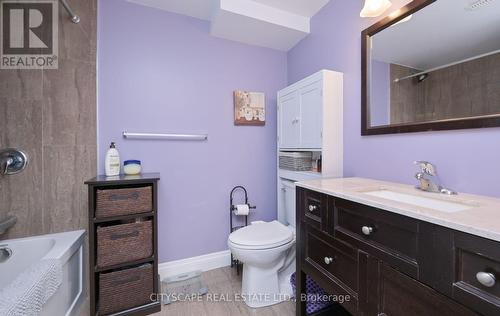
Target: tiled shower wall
x,y
51,114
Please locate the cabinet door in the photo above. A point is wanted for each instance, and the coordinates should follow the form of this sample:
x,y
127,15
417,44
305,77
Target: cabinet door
x,y
402,295
311,118
476,281
289,117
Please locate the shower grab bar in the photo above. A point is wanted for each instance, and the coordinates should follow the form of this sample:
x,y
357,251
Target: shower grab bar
x,y
159,136
7,223
74,17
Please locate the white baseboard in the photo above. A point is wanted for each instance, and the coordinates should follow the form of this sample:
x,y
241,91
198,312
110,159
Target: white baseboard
x,y
203,263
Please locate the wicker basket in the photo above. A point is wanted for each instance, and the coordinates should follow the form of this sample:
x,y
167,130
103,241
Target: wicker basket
x,y
296,161
116,202
124,243
125,289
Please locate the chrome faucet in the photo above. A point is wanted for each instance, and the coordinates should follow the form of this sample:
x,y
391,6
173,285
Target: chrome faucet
x,y
429,180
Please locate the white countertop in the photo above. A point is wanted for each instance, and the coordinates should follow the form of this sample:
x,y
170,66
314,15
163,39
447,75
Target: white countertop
x,y
481,219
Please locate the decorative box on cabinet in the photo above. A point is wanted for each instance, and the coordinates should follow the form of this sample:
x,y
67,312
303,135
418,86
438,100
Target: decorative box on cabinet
x,y
123,244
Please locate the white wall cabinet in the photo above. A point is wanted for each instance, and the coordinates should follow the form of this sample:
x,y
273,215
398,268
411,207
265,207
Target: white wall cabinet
x,y
310,118
301,110
289,116
300,117
311,112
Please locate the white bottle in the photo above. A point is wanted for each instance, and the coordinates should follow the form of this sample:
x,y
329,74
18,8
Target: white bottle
x,y
112,162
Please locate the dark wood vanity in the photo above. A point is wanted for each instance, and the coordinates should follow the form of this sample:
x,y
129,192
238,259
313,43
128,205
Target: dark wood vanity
x,y
390,264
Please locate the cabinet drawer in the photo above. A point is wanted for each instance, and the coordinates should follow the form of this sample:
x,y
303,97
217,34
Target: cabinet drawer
x,y
395,234
477,279
313,208
124,243
333,259
124,289
116,202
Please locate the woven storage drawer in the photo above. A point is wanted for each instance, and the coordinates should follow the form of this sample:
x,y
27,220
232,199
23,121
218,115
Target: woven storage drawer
x,y
296,161
115,202
125,289
124,243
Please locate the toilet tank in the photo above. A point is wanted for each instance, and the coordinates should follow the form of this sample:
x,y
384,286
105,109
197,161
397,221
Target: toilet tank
x,y
289,201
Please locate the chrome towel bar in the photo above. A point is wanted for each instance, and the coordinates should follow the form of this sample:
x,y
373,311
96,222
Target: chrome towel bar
x,y
196,137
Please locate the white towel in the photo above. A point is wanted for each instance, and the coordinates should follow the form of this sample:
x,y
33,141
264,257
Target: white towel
x,y
26,295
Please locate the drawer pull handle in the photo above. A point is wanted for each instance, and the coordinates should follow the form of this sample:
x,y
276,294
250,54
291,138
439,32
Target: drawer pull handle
x,y
313,208
328,260
123,197
131,234
486,279
125,280
367,230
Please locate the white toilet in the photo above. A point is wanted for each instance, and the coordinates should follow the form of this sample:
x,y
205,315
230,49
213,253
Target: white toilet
x,y
267,250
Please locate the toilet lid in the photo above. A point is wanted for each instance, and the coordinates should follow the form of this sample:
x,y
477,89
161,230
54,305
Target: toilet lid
x,y
271,234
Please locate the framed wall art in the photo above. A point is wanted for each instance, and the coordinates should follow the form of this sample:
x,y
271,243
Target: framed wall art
x,y
249,108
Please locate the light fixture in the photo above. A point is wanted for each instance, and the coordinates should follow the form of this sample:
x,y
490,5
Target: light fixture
x,y
408,18
374,8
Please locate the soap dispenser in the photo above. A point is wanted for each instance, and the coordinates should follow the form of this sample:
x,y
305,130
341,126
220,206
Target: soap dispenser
x,y
112,161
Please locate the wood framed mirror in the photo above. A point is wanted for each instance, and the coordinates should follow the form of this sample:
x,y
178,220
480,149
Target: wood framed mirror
x,y
432,65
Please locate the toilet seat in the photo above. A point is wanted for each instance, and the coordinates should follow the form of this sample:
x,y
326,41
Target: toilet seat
x,y
262,236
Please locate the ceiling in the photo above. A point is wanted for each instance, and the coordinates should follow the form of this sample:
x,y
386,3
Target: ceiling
x,y
447,31
201,9
306,8
276,24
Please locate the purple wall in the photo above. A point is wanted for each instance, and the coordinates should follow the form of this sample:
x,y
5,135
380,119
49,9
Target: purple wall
x,y
468,160
380,93
162,72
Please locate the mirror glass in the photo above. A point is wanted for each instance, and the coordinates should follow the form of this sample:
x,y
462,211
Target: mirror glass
x,y
440,63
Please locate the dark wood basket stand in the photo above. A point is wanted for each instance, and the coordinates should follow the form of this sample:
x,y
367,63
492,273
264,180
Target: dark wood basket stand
x,y
123,245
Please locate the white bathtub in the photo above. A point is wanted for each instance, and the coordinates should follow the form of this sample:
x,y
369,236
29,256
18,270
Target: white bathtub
x,y
67,247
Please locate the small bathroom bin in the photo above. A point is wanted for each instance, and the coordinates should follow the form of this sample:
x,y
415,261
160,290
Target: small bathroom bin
x,y
125,289
182,286
126,201
124,243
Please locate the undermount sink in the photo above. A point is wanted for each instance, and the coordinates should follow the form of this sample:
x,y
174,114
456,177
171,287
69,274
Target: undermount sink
x,y
417,200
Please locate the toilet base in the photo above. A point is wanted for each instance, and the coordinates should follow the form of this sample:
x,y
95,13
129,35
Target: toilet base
x,y
263,287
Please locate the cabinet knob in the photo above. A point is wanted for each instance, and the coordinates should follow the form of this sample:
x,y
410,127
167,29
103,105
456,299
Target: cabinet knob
x,y
328,260
485,278
367,230
312,208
